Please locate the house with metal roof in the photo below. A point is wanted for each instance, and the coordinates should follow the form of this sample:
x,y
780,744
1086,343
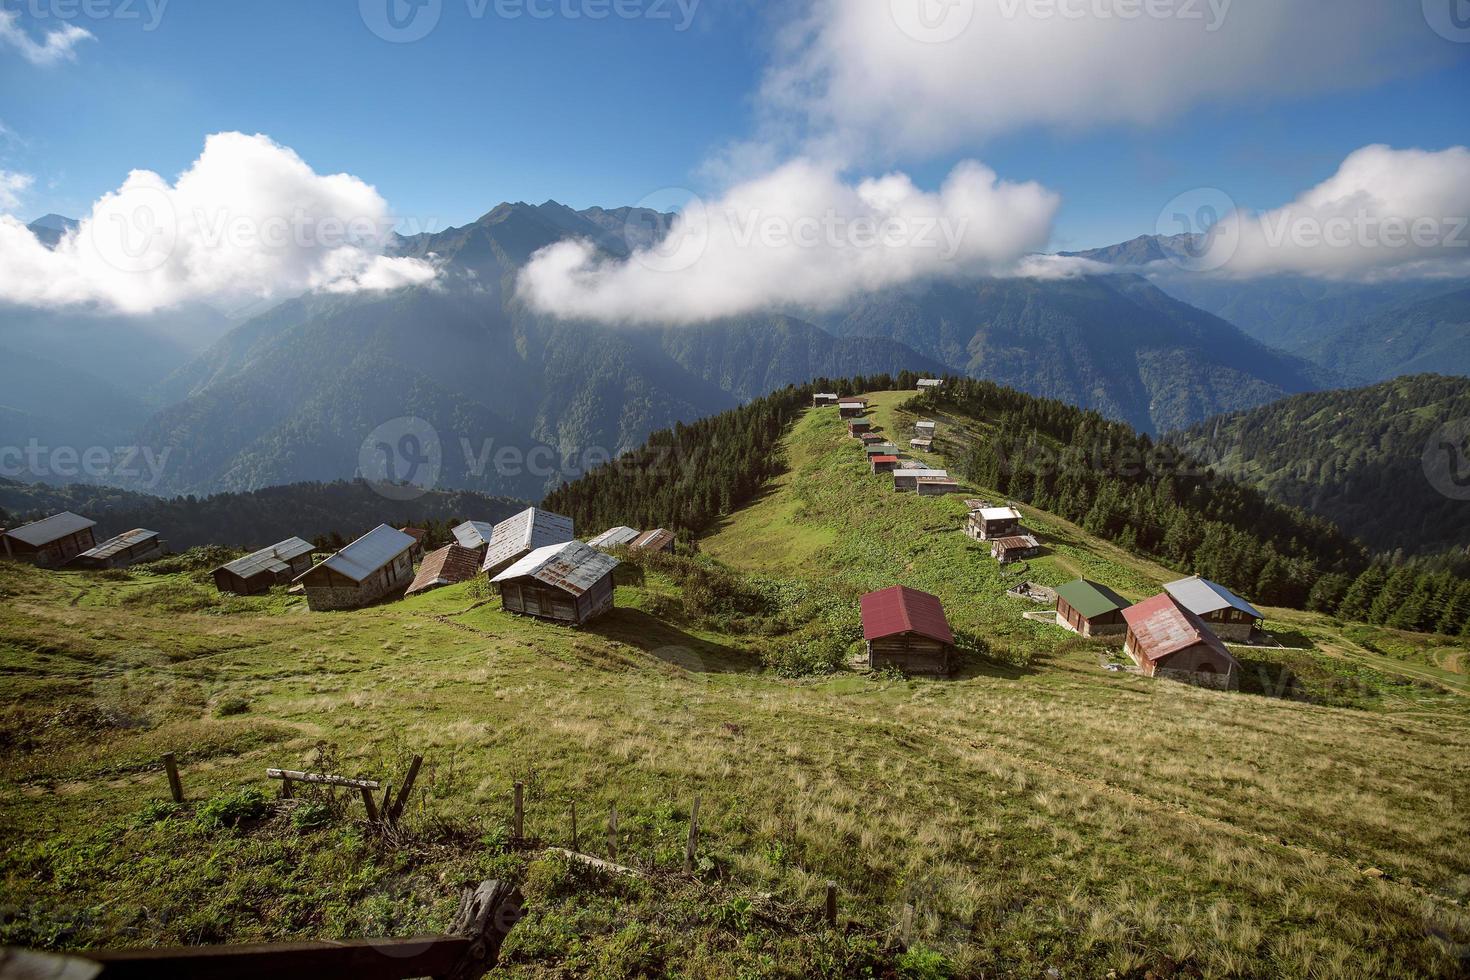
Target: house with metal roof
x,y
449,565
936,483
925,429
567,583
659,539
851,408
377,564
50,543
857,427
473,534
1089,609
418,534
128,548
1223,611
516,537
907,629
1167,640
883,464
989,523
259,571
880,449
870,439
1019,547
616,537
928,383
906,477
922,443
824,400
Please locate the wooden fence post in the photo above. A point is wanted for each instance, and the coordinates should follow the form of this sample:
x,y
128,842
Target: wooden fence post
x,y
831,903
175,786
906,926
612,833
406,788
575,844
520,812
368,804
693,841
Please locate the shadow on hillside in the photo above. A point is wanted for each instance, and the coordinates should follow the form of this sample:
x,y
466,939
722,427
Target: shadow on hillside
x,y
720,524
672,645
973,665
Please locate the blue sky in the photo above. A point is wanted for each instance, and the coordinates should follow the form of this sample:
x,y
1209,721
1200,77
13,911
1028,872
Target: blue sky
x,y
490,108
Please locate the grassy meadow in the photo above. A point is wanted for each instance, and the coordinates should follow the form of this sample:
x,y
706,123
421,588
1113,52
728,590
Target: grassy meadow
x,y
1042,816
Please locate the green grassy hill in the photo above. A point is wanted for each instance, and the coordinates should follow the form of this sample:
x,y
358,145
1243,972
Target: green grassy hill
x,y
1039,812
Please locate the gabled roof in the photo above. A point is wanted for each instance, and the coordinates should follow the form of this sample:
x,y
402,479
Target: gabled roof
x,y
655,540
999,514
1202,597
901,609
881,449
474,534
571,566
53,528
121,543
915,470
1162,627
926,424
532,528
615,537
417,533
367,554
882,458
451,564
1019,541
930,382
1090,599
274,559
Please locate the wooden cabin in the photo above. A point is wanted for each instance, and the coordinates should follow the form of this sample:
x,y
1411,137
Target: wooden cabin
x,y
1166,640
50,543
857,427
450,565
906,477
473,534
824,400
377,564
881,449
907,629
1226,613
989,523
259,571
418,534
883,464
128,548
921,444
870,439
616,537
566,583
852,408
1019,547
1089,609
924,430
927,384
657,540
516,537
936,483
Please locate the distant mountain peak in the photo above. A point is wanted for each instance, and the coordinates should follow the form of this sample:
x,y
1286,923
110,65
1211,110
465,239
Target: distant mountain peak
x,y
55,222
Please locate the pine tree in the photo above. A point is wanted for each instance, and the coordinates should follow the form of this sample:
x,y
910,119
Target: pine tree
x,y
1395,593
1361,594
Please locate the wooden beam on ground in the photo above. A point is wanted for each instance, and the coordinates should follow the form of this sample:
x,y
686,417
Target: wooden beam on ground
x,y
320,778
597,863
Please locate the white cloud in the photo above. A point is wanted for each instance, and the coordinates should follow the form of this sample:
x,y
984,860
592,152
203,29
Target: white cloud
x,y
799,236
859,78
1386,212
12,185
248,221
55,46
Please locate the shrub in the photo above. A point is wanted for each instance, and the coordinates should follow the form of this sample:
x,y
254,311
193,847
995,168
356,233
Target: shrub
x,y
156,811
232,809
920,963
231,705
205,559
817,656
312,815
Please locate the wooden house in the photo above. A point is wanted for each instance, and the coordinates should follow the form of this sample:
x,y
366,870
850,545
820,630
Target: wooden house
x,y
924,430
657,540
906,478
989,523
852,408
128,548
616,537
922,444
880,449
1089,609
1016,548
883,464
870,439
907,629
936,483
928,384
824,400
418,534
259,571
50,543
1167,640
377,564
516,537
473,534
857,427
1226,613
566,583
450,565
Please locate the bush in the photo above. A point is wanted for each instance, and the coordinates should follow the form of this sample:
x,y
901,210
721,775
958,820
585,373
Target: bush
x,y
232,705
232,809
156,811
312,815
817,656
920,963
205,559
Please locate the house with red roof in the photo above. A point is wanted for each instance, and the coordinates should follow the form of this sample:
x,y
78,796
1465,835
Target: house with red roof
x,y
1167,640
907,629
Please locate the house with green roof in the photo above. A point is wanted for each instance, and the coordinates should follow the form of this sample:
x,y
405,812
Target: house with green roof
x,y
1089,609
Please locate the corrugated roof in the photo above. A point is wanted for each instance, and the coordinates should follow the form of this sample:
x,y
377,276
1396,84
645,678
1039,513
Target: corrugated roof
x,y
1162,627
921,442
655,540
474,534
883,459
999,514
1090,599
367,554
901,609
930,382
925,425
121,543
50,529
449,565
273,559
615,537
532,528
915,470
1202,597
571,566
881,449
937,476
1018,542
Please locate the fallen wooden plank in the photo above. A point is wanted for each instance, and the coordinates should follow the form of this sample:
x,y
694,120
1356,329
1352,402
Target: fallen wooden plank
x,y
321,778
598,863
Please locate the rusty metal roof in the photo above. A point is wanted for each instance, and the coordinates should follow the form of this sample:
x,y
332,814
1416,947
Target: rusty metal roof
x,y
474,534
273,559
615,537
449,565
901,609
571,566
532,528
655,540
367,554
53,528
1019,541
1162,627
121,543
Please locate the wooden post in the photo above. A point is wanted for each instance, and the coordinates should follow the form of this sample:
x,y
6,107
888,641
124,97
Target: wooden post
x,y
576,846
906,926
832,903
693,841
369,805
612,833
286,789
406,789
171,766
520,811
385,807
